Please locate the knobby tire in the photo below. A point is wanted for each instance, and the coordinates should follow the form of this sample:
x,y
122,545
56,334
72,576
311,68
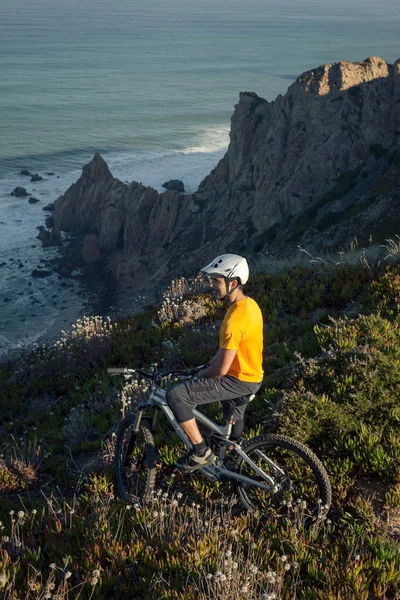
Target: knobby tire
x,y
135,461
305,479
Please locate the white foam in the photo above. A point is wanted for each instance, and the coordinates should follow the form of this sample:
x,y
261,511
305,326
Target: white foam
x,y
214,140
190,164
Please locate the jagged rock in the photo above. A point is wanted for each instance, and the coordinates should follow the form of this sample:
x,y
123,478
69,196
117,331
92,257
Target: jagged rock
x,y
33,200
49,222
174,184
36,177
91,249
50,238
55,237
49,207
25,172
19,192
43,235
283,158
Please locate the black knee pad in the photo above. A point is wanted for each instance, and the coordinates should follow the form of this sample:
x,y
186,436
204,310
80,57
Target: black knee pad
x,y
182,411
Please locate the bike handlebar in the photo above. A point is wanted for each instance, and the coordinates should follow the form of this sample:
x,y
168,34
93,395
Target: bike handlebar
x,y
155,375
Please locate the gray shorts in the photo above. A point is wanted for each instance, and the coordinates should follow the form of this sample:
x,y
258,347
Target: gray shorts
x,y
231,392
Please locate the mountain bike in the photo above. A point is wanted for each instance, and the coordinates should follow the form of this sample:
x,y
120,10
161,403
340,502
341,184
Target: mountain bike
x,y
266,471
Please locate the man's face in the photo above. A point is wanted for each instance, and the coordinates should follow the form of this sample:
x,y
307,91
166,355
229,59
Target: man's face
x,y
219,287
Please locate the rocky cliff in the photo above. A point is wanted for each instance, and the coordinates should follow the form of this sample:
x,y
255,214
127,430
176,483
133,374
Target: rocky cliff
x,y
309,156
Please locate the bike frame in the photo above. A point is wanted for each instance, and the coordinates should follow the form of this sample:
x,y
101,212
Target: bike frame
x,y
158,400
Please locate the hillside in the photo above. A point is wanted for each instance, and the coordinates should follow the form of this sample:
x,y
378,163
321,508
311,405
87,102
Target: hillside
x,y
332,380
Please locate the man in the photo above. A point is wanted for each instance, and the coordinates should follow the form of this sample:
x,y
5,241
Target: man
x,y
234,373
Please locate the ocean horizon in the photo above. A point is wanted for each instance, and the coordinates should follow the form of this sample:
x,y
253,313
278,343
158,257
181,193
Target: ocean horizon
x,y
152,87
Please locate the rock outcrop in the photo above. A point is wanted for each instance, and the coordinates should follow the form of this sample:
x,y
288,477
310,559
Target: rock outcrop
x,y
174,184
19,192
283,158
36,177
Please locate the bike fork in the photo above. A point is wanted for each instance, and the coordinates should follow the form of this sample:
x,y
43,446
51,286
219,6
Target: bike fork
x,y
132,439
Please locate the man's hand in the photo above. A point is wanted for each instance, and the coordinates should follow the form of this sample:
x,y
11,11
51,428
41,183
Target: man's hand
x,y
219,365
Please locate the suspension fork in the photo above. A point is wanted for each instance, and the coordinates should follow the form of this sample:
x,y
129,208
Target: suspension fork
x,y
136,427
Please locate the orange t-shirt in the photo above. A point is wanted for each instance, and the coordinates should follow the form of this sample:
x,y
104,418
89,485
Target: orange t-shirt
x,y
242,330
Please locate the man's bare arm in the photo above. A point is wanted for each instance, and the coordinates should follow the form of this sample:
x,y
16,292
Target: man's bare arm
x,y
219,365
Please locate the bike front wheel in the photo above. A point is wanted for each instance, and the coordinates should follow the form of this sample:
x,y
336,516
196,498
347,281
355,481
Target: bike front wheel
x,y
300,481
134,463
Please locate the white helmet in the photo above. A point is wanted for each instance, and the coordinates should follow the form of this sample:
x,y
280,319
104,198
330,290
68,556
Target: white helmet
x,y
228,266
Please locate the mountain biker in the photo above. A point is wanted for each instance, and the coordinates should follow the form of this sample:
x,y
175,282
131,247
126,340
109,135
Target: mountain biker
x,y
234,372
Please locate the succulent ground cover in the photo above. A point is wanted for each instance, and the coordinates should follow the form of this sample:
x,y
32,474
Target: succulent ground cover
x,y
332,380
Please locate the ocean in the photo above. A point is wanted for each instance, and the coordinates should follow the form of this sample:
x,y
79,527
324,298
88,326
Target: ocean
x,y
151,85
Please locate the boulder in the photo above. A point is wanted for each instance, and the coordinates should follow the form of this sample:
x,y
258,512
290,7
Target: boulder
x,y
55,237
65,271
43,235
36,177
174,184
19,192
25,172
33,200
40,274
49,238
49,222
91,251
49,207
50,174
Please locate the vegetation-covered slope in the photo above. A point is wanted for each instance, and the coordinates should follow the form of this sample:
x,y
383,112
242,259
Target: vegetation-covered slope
x,y
332,380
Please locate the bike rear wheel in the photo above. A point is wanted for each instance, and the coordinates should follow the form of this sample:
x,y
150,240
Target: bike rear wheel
x,y
134,463
302,483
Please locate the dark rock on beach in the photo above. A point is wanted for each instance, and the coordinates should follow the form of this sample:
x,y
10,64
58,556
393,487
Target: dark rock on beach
x,y
41,274
49,238
49,207
36,177
55,237
174,184
50,174
25,172
19,192
33,200
43,235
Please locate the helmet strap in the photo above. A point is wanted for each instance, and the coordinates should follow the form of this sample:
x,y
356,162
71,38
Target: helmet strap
x,y
228,291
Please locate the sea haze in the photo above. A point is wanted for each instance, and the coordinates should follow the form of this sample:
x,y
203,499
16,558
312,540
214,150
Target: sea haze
x,y
151,85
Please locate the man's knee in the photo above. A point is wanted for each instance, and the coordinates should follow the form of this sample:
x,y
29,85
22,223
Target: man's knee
x,y
172,397
182,410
